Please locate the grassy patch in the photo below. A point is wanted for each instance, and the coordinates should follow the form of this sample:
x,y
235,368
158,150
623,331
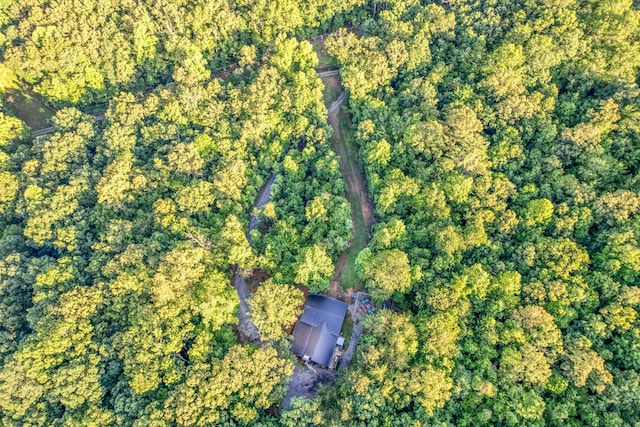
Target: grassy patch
x,y
324,59
27,105
347,330
30,108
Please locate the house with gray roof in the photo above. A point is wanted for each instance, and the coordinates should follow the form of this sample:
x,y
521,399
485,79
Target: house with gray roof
x,y
316,333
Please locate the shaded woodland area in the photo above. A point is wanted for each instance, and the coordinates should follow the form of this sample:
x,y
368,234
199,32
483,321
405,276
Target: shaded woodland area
x,y
500,142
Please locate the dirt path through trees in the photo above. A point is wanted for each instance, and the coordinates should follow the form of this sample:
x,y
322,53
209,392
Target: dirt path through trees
x,y
246,329
361,205
351,171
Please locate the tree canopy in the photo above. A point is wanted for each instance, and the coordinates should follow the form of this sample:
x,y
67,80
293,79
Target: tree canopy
x,y
500,145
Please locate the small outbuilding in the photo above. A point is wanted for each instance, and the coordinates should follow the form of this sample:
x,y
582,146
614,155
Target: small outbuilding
x,y
316,334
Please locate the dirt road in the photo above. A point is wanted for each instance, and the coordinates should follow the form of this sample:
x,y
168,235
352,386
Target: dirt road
x,y
345,277
351,171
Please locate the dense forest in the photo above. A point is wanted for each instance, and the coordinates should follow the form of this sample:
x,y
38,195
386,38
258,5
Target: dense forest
x,y
500,142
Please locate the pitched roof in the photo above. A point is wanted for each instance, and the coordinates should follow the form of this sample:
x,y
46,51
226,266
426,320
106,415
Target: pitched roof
x,y
317,331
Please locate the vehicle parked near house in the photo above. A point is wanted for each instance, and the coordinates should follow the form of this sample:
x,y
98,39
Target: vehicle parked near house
x,y
367,306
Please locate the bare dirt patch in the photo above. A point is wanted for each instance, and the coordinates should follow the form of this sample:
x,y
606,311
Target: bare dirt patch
x,y
225,73
367,209
257,277
333,82
305,382
333,292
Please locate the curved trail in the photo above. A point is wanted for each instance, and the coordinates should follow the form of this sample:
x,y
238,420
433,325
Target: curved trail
x,y
246,328
335,105
263,198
